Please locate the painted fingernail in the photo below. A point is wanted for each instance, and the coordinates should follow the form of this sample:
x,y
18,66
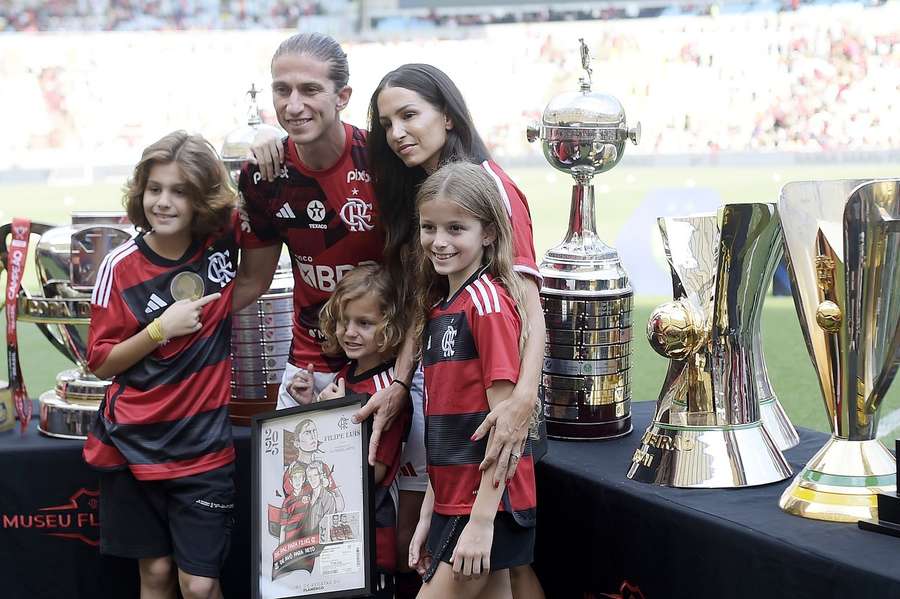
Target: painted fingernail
x,y
496,484
472,438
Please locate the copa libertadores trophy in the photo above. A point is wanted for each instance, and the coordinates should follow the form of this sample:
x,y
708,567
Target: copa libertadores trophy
x,y
586,294
261,333
707,432
842,242
67,259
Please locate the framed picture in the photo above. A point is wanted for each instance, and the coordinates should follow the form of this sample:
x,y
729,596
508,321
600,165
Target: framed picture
x,y
312,523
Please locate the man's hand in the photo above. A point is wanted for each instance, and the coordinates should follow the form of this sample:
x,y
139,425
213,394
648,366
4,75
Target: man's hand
x,y
301,385
268,151
510,420
385,405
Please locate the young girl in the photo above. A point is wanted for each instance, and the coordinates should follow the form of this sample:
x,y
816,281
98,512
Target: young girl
x,y
161,328
470,322
359,321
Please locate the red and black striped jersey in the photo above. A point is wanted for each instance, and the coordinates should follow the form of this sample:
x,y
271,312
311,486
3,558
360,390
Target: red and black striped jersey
x,y
328,221
389,449
166,416
516,205
471,340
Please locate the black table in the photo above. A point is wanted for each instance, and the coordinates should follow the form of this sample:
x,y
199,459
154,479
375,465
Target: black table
x,y
53,553
598,531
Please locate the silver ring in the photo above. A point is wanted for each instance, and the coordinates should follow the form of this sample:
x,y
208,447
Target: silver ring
x,y
516,455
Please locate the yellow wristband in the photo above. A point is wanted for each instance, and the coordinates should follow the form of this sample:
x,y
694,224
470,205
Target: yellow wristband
x,y
155,331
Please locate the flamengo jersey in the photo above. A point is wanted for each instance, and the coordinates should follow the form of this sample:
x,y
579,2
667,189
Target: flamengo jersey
x,y
389,447
166,416
517,208
470,341
328,221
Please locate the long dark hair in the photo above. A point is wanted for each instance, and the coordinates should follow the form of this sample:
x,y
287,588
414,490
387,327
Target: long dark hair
x,y
395,183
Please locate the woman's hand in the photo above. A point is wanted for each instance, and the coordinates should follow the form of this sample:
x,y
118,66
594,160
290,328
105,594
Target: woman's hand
x,y
419,558
183,317
268,151
510,420
301,385
472,556
386,406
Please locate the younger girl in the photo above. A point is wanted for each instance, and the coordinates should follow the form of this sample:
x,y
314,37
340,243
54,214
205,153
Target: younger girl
x,y
160,327
359,321
470,322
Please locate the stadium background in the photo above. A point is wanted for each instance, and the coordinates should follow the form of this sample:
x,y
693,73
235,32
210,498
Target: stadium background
x,y
735,99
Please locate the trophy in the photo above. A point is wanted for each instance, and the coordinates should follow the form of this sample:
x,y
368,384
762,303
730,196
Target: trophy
x,y
707,432
236,147
261,337
842,242
261,333
67,259
586,294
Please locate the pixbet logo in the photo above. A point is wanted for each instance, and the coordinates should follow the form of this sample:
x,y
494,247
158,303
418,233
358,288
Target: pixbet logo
x,y
355,175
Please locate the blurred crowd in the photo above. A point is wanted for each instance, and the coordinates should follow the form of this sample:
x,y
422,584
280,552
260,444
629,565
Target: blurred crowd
x,y
821,78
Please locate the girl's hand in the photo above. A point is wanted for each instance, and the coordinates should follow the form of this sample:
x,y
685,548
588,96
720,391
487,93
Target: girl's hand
x,y
332,391
301,385
183,317
472,556
419,558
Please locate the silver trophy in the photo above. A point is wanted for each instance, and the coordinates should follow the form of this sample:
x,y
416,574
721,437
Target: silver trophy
x,y
67,259
261,337
586,295
842,241
236,147
707,432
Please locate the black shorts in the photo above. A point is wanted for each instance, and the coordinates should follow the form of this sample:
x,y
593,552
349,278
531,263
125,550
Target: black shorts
x,y
189,518
513,545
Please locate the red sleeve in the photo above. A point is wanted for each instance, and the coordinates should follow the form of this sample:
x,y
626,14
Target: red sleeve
x,y
496,328
111,321
524,262
257,225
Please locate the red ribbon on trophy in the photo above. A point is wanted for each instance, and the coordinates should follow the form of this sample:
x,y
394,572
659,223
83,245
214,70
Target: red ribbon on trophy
x,y
18,252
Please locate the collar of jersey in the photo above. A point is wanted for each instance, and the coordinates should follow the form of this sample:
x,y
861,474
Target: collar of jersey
x,y
159,260
446,303
294,157
352,377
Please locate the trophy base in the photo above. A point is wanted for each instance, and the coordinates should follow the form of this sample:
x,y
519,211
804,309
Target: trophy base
x,y
694,457
65,420
841,482
777,423
588,431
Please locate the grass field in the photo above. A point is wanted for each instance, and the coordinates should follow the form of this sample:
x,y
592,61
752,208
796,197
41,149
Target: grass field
x,y
619,193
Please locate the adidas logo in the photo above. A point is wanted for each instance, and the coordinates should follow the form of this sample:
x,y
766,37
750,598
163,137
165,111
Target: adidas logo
x,y
154,303
285,212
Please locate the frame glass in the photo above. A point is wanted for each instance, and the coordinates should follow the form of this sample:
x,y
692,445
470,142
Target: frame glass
x,y
312,520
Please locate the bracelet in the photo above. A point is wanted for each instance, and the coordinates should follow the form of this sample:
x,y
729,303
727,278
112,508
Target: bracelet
x,y
402,384
154,329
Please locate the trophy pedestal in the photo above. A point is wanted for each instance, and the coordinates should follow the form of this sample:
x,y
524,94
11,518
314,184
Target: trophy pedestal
x,y
777,424
842,481
67,412
708,458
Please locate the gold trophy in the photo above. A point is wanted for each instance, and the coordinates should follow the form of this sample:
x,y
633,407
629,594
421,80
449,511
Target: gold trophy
x,y
708,432
67,258
842,241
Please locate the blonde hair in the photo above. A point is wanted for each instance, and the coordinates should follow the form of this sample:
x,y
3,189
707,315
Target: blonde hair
x,y
468,186
206,179
360,282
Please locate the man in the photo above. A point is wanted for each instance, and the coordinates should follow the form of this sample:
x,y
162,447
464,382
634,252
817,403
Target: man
x,y
321,204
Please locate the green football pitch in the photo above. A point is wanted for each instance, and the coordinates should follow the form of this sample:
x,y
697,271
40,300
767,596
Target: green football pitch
x,y
619,193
